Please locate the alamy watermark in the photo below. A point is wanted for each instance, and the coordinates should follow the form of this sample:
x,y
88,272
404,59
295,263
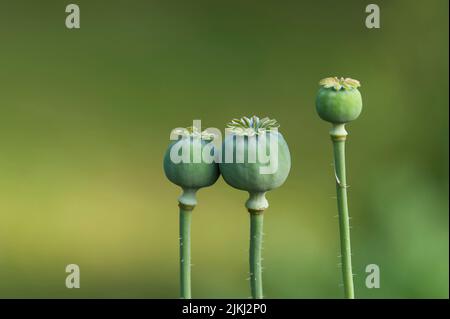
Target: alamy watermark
x,y
73,278
241,145
73,17
373,19
373,277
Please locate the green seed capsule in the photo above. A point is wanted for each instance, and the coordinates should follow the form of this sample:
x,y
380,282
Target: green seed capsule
x,y
338,100
254,173
247,176
190,174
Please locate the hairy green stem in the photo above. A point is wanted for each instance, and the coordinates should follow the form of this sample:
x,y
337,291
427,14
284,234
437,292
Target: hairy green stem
x,y
256,235
338,136
185,251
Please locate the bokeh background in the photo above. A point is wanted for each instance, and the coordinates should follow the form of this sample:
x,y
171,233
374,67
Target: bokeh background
x,y
85,117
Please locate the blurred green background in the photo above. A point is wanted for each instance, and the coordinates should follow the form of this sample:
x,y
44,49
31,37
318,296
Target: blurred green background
x,y
85,117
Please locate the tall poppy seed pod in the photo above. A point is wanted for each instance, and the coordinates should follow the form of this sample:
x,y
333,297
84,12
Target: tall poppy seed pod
x,y
185,166
246,169
339,102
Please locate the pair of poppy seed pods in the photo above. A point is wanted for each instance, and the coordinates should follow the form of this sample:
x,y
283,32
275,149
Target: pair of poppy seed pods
x,y
244,175
338,102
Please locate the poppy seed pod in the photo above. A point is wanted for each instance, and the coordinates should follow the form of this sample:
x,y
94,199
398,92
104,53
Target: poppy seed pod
x,y
249,175
187,172
255,176
338,100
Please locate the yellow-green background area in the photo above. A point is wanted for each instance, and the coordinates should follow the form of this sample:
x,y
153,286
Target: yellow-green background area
x,y
85,117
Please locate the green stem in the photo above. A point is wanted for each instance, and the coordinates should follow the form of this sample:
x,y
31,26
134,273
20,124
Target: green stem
x,y
185,251
256,234
338,136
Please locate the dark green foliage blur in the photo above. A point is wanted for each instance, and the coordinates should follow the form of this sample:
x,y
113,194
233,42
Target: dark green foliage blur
x,y
85,117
